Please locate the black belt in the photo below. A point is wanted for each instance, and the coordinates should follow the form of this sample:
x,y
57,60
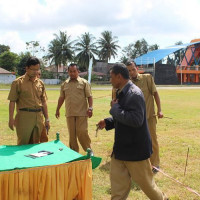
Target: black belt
x,y
31,110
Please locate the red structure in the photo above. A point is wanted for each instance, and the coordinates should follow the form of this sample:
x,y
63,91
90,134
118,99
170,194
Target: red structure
x,y
189,70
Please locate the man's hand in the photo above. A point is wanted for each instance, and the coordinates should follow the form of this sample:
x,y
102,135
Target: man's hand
x,y
11,124
47,126
57,114
113,102
160,114
102,124
89,113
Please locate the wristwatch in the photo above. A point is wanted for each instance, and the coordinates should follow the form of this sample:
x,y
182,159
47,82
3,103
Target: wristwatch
x,y
90,108
47,120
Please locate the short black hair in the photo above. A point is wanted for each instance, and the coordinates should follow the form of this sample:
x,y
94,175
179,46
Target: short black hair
x,y
73,65
130,62
32,61
120,68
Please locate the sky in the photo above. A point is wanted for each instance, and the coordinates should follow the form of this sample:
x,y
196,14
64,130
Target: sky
x,y
162,22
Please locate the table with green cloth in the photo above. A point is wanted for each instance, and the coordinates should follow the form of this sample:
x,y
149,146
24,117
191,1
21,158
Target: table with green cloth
x,y
61,175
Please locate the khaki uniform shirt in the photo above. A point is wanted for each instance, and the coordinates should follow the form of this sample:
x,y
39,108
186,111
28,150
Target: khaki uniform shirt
x,y
76,93
27,93
146,83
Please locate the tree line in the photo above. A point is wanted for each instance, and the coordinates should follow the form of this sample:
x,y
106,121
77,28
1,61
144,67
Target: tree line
x,y
62,50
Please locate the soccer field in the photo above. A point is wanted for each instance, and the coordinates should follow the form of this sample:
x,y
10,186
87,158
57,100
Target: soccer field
x,y
175,136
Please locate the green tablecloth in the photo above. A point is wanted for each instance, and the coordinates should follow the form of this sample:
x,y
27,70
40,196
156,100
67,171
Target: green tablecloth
x,y
13,157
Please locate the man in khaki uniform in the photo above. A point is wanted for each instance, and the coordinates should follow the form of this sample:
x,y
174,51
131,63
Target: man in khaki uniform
x,y
28,93
76,93
146,83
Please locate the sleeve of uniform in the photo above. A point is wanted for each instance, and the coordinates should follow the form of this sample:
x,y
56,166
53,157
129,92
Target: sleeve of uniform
x,y
88,92
151,84
14,92
44,94
109,123
62,94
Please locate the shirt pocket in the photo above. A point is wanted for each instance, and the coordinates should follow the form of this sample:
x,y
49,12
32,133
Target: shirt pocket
x,y
80,90
39,90
25,92
80,86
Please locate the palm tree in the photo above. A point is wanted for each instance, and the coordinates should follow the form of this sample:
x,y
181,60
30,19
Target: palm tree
x,y
60,50
108,46
86,49
124,59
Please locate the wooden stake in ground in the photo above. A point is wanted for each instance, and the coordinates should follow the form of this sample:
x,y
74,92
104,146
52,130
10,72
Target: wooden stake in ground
x,y
186,161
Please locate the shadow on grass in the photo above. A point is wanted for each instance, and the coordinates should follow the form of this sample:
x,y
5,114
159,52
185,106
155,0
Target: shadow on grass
x,y
105,167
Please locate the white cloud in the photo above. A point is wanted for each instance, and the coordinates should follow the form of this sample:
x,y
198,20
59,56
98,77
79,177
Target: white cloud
x,y
13,40
158,21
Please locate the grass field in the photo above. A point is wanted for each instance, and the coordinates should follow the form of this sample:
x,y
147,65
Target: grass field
x,y
175,136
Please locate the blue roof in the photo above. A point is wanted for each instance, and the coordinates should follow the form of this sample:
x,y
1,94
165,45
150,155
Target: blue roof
x,y
157,55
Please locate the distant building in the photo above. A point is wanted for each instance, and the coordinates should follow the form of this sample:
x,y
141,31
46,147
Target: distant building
x,y
103,67
6,77
60,70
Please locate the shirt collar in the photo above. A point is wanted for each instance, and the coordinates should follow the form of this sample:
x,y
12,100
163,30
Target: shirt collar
x,y
138,77
27,78
124,89
78,79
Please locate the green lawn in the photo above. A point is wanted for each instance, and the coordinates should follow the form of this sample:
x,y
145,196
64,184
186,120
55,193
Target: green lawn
x,y
175,136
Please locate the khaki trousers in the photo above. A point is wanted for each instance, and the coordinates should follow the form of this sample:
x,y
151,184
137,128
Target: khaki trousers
x,y
140,172
78,128
155,158
29,126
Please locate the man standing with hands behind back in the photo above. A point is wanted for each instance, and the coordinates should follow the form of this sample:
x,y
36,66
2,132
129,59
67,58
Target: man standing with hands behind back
x,y
146,83
28,93
76,93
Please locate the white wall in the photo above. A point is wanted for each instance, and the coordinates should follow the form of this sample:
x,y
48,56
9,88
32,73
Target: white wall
x,y
51,81
7,78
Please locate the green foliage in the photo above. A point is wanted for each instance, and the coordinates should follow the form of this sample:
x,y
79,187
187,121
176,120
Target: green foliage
x,y
4,48
60,49
107,46
9,60
86,49
138,48
94,77
34,47
47,74
21,67
124,59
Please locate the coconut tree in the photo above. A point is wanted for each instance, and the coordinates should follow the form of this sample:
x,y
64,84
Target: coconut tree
x,y
60,50
86,49
107,46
